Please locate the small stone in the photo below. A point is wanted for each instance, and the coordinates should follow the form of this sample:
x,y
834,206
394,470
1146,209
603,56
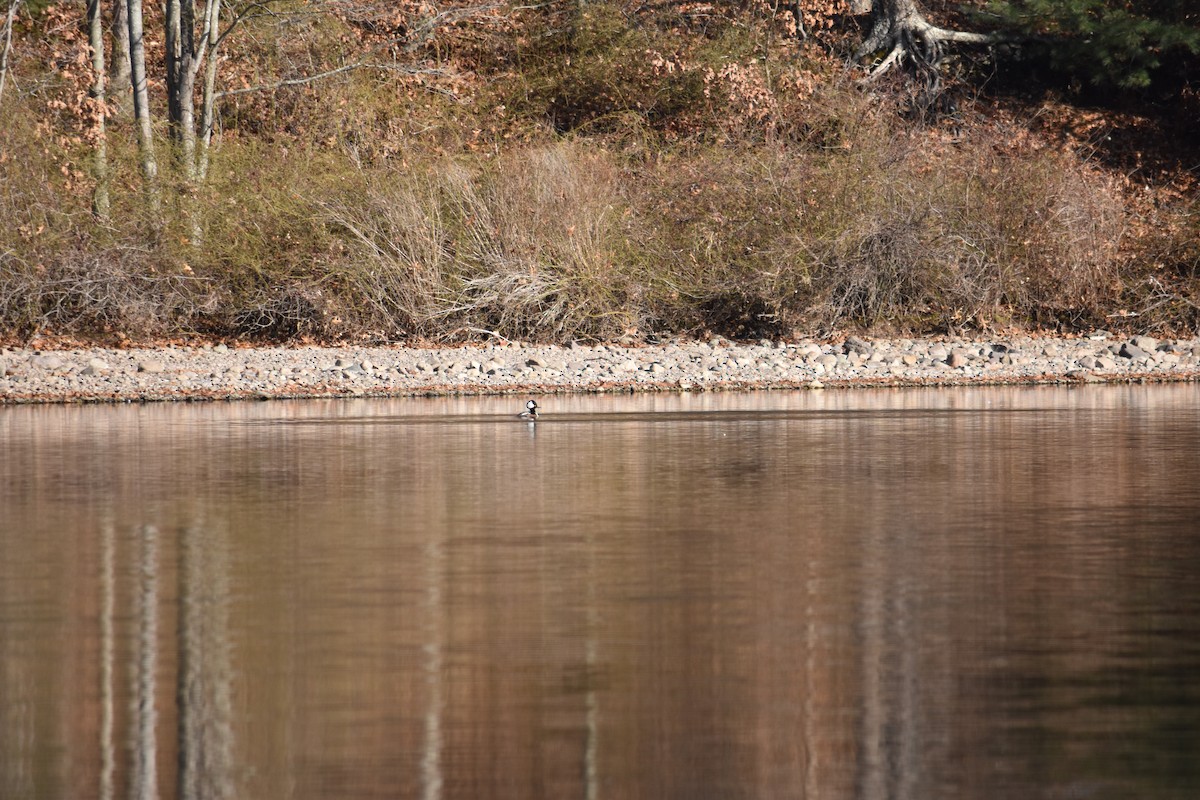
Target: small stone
x,y
828,360
853,344
909,359
1105,362
221,348
493,367
628,365
1132,351
48,362
1147,343
98,364
815,384
536,363
150,365
957,359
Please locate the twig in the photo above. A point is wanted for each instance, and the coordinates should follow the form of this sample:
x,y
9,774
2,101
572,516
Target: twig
x,y
8,28
329,74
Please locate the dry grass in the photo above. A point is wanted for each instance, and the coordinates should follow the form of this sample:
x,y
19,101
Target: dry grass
x,y
527,247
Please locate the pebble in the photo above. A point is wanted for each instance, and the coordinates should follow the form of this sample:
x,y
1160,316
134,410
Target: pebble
x,y
249,372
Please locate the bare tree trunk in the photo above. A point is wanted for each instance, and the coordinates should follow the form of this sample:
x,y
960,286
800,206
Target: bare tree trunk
x,y
212,15
100,165
141,102
173,55
7,47
119,84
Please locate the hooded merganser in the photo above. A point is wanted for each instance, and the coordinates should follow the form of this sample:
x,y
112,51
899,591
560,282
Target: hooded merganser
x,y
531,411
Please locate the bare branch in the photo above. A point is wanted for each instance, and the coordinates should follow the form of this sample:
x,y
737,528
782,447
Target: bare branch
x,y
329,74
8,29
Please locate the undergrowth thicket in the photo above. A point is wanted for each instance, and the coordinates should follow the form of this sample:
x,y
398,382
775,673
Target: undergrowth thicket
x,y
592,177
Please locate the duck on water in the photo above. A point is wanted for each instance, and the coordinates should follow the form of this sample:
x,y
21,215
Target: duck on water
x,y
530,412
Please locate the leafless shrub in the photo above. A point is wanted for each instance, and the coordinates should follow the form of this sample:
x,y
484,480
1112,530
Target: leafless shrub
x,y
285,313
80,293
528,248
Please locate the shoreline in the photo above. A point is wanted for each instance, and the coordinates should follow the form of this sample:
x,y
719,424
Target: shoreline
x,y
218,372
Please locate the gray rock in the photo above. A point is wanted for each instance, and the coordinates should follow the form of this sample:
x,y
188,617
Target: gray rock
x,y
48,362
221,348
1106,362
98,364
828,361
957,359
909,359
150,365
536,363
1132,351
853,344
1147,343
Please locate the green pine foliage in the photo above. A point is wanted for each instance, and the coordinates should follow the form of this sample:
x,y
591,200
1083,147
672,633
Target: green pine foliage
x,y
1106,43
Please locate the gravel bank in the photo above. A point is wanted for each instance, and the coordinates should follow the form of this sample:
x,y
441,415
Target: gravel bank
x,y
220,372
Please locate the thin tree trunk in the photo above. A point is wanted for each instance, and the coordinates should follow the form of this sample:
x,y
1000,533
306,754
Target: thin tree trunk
x,y
9,18
100,165
119,84
141,103
186,54
172,54
212,15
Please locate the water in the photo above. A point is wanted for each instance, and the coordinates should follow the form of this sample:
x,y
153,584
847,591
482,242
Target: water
x,y
873,594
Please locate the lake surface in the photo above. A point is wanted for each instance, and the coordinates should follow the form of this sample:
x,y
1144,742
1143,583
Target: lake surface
x,y
984,593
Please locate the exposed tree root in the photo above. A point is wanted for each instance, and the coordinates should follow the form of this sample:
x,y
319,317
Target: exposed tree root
x,y
901,30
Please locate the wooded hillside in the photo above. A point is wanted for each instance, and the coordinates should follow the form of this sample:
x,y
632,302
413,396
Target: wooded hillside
x,y
595,169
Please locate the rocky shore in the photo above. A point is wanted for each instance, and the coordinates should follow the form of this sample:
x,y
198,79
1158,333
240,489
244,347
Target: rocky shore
x,y
216,372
